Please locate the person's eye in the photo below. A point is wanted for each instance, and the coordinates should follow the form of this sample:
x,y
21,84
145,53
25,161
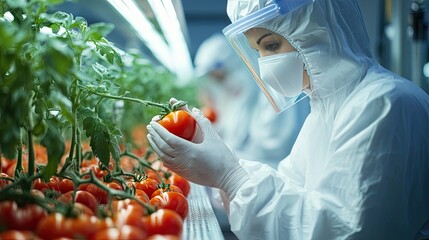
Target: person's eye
x,y
272,46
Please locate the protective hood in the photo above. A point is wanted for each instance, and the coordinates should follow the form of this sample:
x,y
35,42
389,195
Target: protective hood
x,y
329,36
215,53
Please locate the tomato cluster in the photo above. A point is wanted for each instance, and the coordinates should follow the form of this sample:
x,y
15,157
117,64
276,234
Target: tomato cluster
x,y
96,204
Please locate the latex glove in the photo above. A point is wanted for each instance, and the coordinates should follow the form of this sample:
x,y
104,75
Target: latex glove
x,y
209,162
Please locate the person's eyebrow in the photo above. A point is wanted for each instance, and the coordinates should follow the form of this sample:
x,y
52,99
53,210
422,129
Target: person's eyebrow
x,y
262,37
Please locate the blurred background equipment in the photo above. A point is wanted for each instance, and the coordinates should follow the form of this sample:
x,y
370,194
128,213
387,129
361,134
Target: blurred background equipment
x,y
171,31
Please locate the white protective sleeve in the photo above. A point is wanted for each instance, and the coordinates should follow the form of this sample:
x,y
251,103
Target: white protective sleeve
x,y
363,177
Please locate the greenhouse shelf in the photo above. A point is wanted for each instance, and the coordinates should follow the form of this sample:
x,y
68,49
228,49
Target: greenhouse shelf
x,y
201,222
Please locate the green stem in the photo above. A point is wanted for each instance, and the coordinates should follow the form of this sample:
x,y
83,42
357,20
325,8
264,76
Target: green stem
x,y
31,155
72,144
144,102
111,192
132,155
78,150
18,168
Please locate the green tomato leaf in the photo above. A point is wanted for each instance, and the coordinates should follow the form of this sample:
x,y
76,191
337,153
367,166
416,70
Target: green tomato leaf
x,y
55,146
104,138
79,22
99,30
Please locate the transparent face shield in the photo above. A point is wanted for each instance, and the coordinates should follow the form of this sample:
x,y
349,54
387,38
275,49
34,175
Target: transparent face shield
x,y
270,85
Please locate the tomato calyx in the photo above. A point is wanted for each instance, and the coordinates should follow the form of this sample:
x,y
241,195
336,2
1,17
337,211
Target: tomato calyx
x,y
168,108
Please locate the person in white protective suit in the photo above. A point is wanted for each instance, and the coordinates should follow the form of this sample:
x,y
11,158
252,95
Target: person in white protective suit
x,y
359,168
245,120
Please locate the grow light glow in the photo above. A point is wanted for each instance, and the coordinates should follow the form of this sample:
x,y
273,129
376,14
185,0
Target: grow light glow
x,y
173,54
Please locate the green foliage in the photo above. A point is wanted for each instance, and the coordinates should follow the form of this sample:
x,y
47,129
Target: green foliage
x,y
59,76
104,138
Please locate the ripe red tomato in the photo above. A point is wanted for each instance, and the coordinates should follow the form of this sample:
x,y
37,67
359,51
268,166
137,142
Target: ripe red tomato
x,y
209,113
20,217
163,237
56,226
148,185
171,200
4,182
130,215
6,163
53,184
66,185
79,209
170,188
180,123
83,197
118,205
100,194
180,182
142,195
163,221
124,232
18,235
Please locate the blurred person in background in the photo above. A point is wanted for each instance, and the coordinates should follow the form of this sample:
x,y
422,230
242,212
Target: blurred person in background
x,y
244,117
359,168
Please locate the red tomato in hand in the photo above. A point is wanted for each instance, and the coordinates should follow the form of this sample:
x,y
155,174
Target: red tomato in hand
x,y
180,123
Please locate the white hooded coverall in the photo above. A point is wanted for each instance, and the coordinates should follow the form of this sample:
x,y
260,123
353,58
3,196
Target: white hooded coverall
x,y
360,166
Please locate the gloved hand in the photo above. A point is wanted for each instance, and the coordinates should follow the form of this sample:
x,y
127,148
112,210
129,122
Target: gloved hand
x,y
209,162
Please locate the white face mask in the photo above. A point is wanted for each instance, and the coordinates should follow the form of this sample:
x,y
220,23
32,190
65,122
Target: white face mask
x,y
283,72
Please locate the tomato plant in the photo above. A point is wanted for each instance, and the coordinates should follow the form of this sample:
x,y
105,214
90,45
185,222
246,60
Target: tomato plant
x,y
63,86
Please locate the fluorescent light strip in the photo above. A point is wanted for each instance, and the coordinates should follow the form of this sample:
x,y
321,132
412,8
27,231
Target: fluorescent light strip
x,y
167,17
144,29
